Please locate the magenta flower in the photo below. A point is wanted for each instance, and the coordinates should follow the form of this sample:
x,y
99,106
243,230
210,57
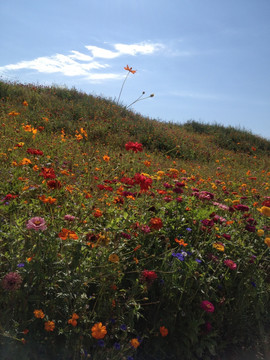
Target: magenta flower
x,y
12,281
232,265
36,223
207,306
149,276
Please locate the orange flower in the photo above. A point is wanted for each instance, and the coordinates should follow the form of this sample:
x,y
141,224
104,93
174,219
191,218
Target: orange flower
x,y
67,234
99,331
25,161
25,103
13,113
130,69
106,158
267,241
39,314
114,258
219,246
73,320
45,200
180,242
98,213
135,343
163,331
49,325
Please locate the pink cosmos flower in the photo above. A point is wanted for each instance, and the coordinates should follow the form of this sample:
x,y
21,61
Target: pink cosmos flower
x,y
36,223
207,306
12,281
149,276
232,265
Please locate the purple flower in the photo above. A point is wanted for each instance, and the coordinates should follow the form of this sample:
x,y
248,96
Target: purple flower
x,y
36,223
20,265
117,346
12,281
101,343
123,327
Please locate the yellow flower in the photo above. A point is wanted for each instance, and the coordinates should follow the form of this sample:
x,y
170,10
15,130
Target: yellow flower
x,y
219,246
265,210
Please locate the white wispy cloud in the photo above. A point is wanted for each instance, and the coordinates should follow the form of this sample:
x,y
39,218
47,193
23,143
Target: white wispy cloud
x,y
84,64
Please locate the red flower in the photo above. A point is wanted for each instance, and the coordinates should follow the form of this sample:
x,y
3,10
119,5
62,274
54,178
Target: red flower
x,y
149,276
156,223
47,173
35,152
54,184
144,182
133,146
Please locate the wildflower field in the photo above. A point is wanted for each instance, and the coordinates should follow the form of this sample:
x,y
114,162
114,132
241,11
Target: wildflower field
x,y
123,237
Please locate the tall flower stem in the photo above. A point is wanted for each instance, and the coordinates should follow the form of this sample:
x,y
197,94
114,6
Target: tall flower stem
x,y
122,88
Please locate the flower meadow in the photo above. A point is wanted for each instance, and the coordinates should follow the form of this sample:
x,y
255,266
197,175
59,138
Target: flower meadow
x,y
123,237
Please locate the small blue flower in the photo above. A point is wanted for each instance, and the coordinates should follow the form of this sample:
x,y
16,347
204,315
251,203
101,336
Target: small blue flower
x,y
188,229
253,283
101,343
198,261
20,265
130,358
179,256
113,321
123,327
117,346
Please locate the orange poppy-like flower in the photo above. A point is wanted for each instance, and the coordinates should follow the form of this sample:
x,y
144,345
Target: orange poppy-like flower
x,y
267,241
49,325
13,113
39,314
130,69
25,103
180,242
73,320
135,343
106,158
156,223
67,234
163,331
45,200
25,161
99,331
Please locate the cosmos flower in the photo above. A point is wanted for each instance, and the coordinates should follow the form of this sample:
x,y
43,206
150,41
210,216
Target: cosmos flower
x,y
207,306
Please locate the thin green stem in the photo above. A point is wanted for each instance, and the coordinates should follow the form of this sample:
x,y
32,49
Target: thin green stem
x,y
122,88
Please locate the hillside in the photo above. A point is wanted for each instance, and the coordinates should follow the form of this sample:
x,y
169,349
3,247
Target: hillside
x,y
123,237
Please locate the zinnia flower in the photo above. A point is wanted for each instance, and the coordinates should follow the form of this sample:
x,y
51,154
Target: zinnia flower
x,y
265,210
39,314
49,325
12,281
114,258
36,223
133,146
156,223
232,265
207,306
99,331
149,276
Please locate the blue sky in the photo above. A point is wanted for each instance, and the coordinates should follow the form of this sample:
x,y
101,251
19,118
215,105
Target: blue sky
x,y
206,60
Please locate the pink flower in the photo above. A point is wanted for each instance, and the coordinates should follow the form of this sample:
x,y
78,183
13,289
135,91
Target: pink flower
x,y
36,223
207,306
232,265
69,217
12,281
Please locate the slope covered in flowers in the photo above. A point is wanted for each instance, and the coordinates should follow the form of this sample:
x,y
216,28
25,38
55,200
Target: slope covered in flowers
x,y
127,238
